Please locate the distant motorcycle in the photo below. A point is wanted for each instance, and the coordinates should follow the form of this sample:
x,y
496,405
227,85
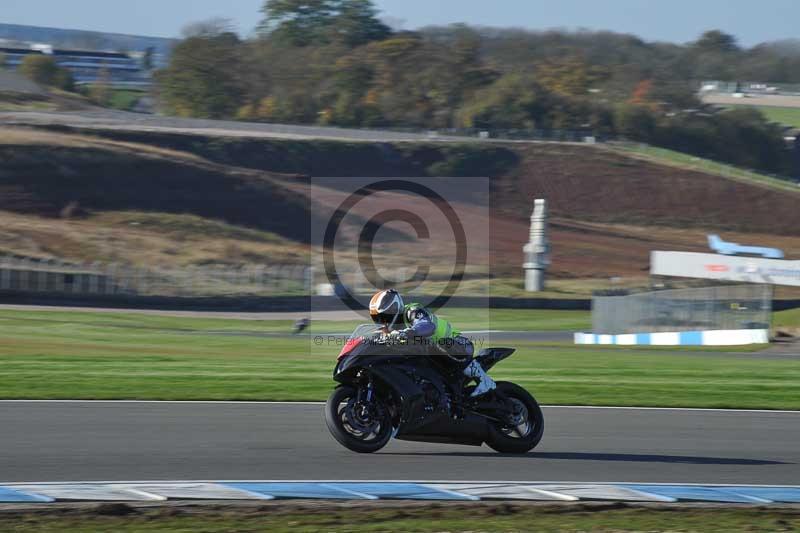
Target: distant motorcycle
x,y
389,389
301,325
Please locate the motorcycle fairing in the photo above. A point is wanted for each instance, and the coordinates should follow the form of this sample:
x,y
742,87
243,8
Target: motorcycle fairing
x,y
491,356
395,368
395,371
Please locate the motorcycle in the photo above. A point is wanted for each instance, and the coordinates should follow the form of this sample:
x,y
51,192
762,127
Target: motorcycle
x,y
407,390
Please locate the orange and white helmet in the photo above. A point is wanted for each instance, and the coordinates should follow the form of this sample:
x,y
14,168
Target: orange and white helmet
x,y
386,307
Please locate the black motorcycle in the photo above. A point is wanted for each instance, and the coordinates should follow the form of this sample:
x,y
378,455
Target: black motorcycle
x,y
408,390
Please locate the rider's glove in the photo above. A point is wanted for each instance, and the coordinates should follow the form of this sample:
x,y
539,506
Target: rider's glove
x,y
398,335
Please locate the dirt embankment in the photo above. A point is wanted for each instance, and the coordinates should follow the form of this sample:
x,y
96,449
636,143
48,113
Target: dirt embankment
x,y
48,174
608,210
586,183
581,182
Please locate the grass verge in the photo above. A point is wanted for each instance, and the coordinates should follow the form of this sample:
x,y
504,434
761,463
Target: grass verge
x,y
464,319
788,116
116,356
688,161
787,319
404,517
125,99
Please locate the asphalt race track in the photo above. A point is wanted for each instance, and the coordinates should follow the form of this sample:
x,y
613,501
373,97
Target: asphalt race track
x,y
110,441
129,121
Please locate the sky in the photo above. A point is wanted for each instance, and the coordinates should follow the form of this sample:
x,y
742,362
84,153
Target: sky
x,y
654,20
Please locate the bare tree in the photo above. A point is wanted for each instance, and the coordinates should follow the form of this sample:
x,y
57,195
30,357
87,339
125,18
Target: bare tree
x,y
209,28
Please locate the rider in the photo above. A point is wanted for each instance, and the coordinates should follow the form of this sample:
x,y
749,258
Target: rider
x,y
415,321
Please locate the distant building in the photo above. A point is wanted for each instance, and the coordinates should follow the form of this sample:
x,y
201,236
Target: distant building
x,y
16,35
14,56
86,66
743,89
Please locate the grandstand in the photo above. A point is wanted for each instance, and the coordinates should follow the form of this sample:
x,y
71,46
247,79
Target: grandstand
x,y
86,66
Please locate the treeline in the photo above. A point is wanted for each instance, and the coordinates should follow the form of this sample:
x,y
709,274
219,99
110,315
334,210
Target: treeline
x,y
45,71
334,62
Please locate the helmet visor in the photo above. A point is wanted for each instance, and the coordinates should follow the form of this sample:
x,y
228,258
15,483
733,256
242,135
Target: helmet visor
x,y
386,319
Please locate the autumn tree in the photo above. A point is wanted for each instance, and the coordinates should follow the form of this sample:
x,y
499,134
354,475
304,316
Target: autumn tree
x,y
335,62
320,22
210,27
641,94
512,102
714,55
635,122
40,69
43,69
568,76
100,90
202,79
716,41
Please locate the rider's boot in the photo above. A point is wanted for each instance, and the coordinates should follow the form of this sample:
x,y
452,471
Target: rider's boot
x,y
485,383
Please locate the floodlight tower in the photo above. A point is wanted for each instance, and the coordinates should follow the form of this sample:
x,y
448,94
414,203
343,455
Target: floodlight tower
x,y
537,250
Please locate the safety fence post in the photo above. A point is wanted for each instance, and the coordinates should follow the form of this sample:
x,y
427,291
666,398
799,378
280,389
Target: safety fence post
x,y
5,272
24,274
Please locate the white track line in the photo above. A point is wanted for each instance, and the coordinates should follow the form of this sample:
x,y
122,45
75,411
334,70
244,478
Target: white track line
x,y
348,491
198,402
254,402
13,484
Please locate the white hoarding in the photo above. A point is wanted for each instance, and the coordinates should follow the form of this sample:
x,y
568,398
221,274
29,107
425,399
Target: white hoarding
x,y
725,267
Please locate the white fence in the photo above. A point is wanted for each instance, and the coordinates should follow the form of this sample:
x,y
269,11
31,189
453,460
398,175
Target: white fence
x,y
716,308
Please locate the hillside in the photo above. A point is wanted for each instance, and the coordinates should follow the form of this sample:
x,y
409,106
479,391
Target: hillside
x,y
583,182
189,199
591,183
84,198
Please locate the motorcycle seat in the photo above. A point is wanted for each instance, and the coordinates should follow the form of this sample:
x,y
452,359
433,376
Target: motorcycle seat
x,y
490,356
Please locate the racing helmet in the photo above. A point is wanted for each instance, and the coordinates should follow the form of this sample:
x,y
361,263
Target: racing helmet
x,y
386,307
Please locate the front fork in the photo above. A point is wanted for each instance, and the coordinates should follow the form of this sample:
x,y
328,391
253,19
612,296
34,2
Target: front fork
x,y
365,395
364,401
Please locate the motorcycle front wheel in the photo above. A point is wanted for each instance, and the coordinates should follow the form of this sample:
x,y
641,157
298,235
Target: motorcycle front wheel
x,y
358,426
522,429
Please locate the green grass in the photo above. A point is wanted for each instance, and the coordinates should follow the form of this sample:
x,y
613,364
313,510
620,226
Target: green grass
x,y
682,160
786,319
119,356
464,319
416,518
556,289
125,99
789,116
518,319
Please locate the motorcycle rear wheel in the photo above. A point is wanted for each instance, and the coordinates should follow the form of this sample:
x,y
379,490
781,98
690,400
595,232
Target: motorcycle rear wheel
x,y
524,432
356,430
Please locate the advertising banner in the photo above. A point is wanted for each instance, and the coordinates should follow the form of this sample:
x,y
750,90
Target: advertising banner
x,y
725,267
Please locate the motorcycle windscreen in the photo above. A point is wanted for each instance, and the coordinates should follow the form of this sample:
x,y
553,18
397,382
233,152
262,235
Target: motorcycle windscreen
x,y
349,346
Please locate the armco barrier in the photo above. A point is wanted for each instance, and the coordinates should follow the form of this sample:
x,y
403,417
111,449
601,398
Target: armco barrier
x,y
738,337
154,491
